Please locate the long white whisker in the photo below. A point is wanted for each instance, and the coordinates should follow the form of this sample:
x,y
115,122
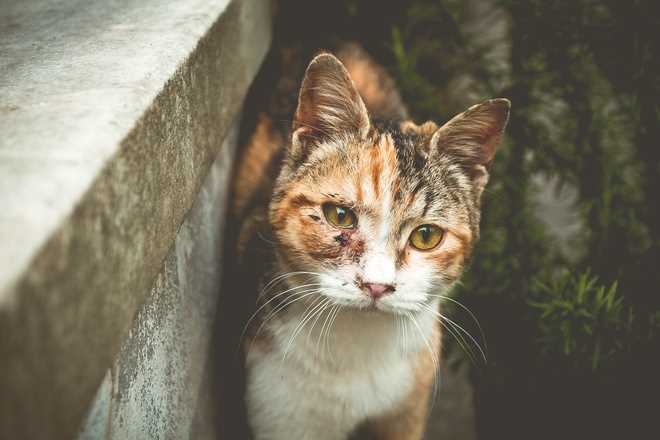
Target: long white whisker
x,y
336,312
306,318
483,354
472,315
404,327
461,329
325,323
453,332
434,359
425,339
247,324
307,312
283,276
401,326
287,302
328,303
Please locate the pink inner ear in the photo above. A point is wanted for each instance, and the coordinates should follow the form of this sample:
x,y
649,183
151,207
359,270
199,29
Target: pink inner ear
x,y
492,139
475,134
328,102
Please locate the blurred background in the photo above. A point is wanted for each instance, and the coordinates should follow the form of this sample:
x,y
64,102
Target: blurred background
x,y
565,280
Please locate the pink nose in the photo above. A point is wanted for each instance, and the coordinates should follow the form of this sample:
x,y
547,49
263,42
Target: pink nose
x,y
377,290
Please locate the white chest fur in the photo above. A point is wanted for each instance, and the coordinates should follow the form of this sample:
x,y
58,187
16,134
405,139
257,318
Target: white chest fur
x,y
322,385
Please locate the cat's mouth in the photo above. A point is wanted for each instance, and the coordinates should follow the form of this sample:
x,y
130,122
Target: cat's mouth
x,y
363,305
372,306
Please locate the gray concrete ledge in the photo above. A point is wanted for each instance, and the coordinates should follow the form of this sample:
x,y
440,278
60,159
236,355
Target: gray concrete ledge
x,y
111,114
153,387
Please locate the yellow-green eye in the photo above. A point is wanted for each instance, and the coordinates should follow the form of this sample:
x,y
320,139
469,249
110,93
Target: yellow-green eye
x,y
426,237
339,216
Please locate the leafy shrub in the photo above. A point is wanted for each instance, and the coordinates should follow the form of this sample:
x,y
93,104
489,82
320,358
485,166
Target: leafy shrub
x,y
580,320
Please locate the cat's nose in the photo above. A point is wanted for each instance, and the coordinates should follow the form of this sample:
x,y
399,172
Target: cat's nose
x,y
377,290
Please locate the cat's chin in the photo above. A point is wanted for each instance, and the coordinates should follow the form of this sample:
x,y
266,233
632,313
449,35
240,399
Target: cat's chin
x,y
374,308
369,312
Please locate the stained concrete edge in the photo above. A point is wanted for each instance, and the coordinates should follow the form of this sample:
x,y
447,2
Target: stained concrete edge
x,y
152,388
77,301
75,76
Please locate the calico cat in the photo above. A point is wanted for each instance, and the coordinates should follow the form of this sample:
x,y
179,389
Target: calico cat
x,y
353,226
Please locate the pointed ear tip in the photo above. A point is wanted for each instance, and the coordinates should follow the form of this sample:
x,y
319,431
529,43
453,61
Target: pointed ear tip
x,y
502,103
501,106
325,58
498,105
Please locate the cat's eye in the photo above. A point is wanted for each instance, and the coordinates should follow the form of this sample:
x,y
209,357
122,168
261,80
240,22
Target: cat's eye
x,y
426,237
339,216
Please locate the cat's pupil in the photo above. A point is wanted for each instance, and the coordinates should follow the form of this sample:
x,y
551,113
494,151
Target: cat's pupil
x,y
341,213
426,233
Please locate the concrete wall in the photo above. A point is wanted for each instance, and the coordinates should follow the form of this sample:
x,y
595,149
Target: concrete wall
x,y
152,389
112,114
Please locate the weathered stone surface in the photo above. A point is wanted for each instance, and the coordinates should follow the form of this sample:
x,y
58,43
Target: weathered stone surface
x,y
153,388
110,116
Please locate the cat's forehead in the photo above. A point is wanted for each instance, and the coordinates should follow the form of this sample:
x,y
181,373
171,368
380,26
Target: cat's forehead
x,y
388,171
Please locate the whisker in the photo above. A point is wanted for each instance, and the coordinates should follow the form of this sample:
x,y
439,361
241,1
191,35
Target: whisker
x,y
458,328
401,324
483,354
404,328
280,277
304,294
458,337
453,332
434,359
306,318
315,302
335,314
472,315
316,320
325,323
254,315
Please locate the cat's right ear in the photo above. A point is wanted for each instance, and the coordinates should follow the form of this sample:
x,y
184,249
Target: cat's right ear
x,y
471,138
329,106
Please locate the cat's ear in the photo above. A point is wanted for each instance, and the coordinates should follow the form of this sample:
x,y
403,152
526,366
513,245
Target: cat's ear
x,y
329,105
472,137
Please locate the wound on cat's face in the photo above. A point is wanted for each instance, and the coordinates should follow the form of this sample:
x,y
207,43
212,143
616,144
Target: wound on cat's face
x,y
384,213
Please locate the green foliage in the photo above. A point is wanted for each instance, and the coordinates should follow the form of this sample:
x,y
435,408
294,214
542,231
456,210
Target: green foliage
x,y
415,86
580,320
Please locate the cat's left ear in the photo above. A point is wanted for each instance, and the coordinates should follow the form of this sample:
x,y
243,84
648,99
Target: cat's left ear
x,y
329,105
471,138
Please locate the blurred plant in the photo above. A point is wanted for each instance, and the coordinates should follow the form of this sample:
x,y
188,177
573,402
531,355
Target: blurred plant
x,y
580,320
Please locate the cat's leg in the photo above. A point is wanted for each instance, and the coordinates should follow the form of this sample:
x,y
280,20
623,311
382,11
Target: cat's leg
x,y
408,420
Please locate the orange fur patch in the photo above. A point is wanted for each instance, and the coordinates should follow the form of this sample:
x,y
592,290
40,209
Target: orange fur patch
x,y
253,162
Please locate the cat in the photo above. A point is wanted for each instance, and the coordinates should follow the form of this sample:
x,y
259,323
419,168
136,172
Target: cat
x,y
353,226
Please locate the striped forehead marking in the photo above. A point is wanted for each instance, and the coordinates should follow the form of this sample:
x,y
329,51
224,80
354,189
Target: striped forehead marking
x,y
378,174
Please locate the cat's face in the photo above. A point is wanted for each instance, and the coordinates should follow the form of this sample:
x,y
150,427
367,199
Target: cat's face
x,y
380,217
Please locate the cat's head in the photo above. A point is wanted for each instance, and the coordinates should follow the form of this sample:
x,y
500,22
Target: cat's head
x,y
380,216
